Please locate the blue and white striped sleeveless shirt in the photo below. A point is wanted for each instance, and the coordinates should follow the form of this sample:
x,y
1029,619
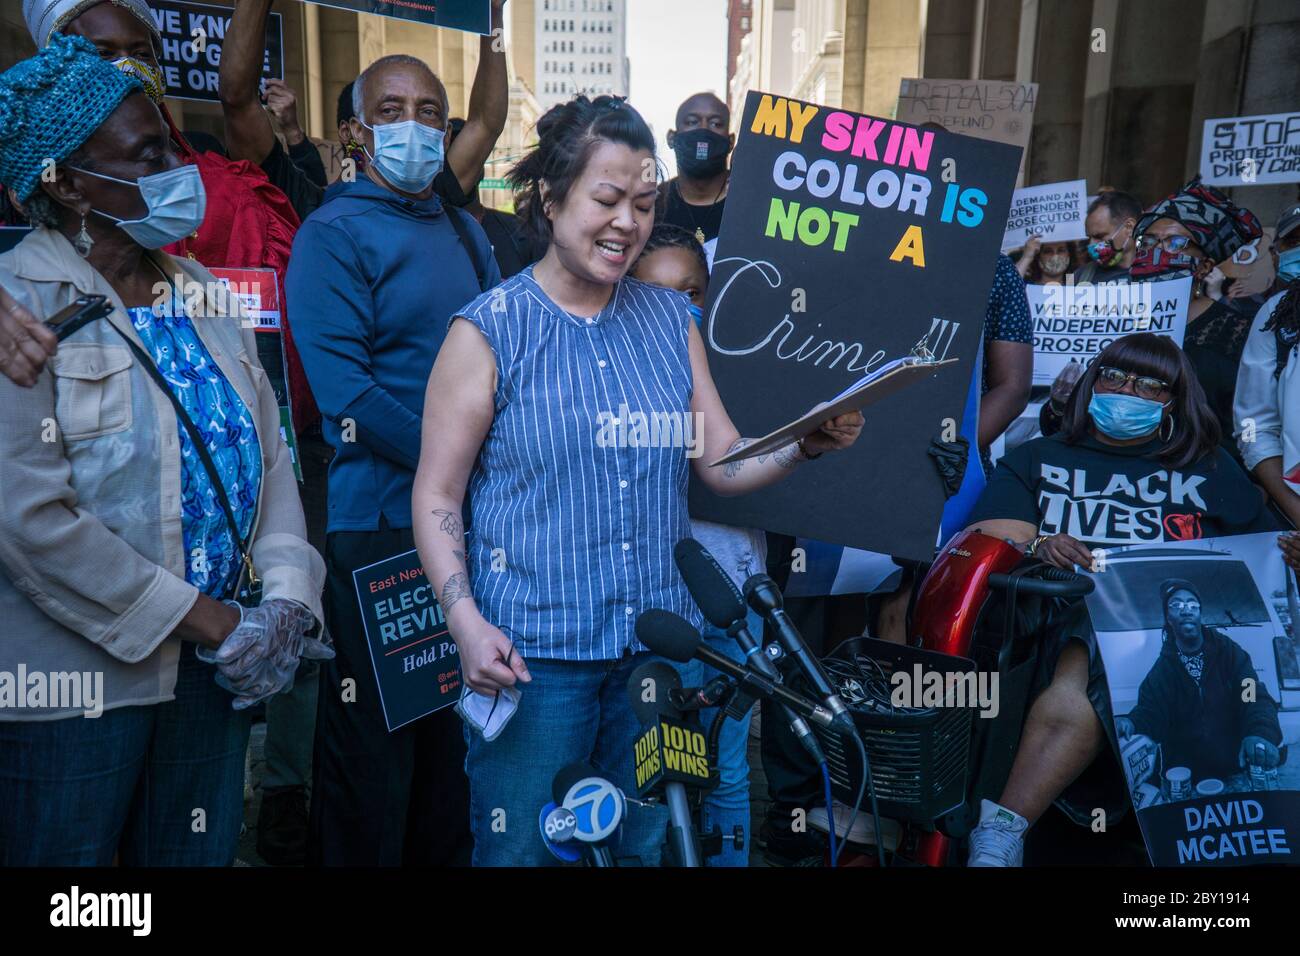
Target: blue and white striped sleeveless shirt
x,y
572,532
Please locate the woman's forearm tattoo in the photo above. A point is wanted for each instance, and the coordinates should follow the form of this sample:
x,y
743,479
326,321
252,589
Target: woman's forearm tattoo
x,y
732,468
448,522
457,587
787,457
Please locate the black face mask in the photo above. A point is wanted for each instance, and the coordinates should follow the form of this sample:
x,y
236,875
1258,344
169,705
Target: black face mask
x,y
701,153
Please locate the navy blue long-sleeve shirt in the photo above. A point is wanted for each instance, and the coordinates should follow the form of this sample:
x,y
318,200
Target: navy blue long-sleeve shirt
x,y
372,284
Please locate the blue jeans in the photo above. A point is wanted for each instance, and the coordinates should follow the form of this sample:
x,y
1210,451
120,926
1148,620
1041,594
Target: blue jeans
x,y
131,781
571,711
727,806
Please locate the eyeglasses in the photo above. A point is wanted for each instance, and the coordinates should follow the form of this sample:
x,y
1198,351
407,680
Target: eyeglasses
x,y
1168,243
1113,379
1185,605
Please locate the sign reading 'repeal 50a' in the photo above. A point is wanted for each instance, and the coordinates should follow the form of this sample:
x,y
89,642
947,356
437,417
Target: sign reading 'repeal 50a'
x,y
849,242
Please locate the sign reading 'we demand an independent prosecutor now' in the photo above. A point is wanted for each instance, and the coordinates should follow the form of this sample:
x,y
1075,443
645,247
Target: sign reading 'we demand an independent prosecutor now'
x,y
417,665
1074,323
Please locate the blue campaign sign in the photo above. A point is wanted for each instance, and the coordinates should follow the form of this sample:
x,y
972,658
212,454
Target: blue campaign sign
x,y
10,236
473,16
417,666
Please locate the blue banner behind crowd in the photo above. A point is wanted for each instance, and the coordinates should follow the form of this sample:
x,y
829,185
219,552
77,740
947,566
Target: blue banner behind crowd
x,y
474,16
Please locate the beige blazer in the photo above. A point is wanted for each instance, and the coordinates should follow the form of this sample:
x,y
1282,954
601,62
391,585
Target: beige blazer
x,y
92,562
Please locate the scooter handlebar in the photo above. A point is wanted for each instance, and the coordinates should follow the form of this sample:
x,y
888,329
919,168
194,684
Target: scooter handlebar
x,y
1054,583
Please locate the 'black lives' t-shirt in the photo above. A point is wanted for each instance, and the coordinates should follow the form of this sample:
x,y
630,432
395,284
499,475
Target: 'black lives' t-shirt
x,y
1108,495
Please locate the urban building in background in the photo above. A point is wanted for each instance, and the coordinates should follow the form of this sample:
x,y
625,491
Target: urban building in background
x,y
1124,88
739,18
580,46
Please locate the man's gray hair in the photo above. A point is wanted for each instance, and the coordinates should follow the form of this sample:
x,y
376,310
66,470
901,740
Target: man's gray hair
x,y
358,91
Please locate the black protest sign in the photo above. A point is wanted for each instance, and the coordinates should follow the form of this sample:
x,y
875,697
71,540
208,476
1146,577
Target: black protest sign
x,y
473,16
192,37
847,241
417,665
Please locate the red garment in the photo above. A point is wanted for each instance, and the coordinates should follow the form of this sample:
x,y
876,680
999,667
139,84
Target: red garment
x,y
248,223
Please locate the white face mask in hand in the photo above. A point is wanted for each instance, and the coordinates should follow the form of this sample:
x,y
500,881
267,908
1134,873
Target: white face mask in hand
x,y
488,714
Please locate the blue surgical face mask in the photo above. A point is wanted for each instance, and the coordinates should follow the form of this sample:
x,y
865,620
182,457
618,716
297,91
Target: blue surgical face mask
x,y
1122,416
408,154
176,202
1288,265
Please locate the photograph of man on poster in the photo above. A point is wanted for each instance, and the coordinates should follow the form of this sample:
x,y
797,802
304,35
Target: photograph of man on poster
x,y
1202,703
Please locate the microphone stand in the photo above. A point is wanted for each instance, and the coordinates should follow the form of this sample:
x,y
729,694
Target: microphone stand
x,y
686,843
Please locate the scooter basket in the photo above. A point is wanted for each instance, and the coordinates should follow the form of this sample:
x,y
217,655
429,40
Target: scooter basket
x,y
919,755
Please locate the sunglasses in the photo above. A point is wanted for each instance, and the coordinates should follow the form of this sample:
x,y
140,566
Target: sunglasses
x,y
1111,379
1168,243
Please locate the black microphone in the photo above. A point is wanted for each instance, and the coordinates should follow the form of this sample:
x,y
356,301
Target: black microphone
x,y
650,688
765,597
598,806
720,600
670,635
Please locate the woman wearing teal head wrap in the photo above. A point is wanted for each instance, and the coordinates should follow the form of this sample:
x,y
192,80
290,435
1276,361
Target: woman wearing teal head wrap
x,y
158,492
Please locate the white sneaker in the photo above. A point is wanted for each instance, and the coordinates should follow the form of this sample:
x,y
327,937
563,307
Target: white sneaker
x,y
999,838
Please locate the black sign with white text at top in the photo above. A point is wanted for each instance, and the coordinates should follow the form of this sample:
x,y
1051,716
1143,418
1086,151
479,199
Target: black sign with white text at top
x,y
417,665
473,16
192,38
847,242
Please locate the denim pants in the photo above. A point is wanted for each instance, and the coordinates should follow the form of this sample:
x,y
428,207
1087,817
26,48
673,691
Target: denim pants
x,y
159,785
571,711
727,806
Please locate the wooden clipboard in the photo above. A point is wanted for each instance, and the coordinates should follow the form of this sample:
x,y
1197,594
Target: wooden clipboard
x,y
887,384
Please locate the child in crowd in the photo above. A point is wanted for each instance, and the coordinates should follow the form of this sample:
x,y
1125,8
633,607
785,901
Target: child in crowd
x,y
675,259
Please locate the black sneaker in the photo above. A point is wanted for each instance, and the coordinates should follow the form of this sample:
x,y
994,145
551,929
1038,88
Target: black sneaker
x,y
784,846
282,824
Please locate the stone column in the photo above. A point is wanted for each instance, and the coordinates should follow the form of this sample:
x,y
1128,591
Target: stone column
x,y
1138,105
1248,65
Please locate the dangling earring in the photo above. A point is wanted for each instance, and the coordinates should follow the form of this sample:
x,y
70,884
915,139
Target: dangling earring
x,y
1170,422
83,242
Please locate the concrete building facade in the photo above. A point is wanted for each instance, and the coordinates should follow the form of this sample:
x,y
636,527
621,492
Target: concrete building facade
x,y
580,46
1124,88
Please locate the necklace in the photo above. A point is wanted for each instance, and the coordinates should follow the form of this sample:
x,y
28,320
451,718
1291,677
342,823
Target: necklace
x,y
699,233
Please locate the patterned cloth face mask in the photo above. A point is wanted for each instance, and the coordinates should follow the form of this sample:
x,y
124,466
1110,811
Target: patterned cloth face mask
x,y
150,77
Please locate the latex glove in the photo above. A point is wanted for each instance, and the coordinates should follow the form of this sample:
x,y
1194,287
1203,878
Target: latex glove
x,y
25,343
950,458
1246,756
259,657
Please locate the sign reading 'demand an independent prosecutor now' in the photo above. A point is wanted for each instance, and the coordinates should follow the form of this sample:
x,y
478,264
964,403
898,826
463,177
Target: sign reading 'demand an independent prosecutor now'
x,y
417,665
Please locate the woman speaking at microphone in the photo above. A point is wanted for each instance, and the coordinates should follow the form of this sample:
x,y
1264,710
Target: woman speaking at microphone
x,y
576,514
